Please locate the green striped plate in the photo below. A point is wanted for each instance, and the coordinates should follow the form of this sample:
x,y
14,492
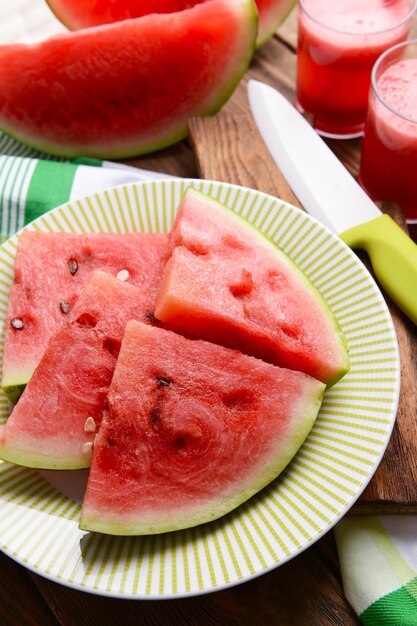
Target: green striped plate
x,y
40,510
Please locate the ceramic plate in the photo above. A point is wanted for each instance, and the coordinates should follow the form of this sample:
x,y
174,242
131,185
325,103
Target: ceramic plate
x,y
39,511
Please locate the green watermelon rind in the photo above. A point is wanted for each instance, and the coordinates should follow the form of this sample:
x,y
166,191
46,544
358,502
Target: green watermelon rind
x,y
119,153
26,457
15,381
285,451
278,17
14,384
255,233
249,26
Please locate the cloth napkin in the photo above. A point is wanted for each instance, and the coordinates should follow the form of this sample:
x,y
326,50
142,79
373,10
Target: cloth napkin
x,y
31,183
378,563
378,555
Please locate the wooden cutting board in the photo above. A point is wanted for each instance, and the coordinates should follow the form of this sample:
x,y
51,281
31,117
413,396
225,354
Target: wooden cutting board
x,y
229,148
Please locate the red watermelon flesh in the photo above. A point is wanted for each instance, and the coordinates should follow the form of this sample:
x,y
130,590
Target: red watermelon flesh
x,y
126,88
226,283
209,428
51,269
77,14
56,419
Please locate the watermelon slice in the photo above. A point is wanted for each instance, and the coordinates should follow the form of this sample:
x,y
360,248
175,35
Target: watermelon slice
x,y
51,269
127,88
55,421
209,428
226,283
76,14
271,14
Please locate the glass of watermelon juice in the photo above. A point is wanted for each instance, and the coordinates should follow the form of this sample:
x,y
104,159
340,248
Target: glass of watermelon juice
x,y
338,44
388,168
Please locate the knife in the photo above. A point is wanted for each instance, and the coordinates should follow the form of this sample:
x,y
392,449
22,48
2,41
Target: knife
x,y
329,193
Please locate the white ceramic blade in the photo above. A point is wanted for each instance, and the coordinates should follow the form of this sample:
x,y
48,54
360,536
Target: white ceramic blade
x,y
322,184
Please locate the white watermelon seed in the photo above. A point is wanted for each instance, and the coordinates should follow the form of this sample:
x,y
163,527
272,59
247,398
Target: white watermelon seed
x,y
17,323
87,447
123,275
90,425
65,306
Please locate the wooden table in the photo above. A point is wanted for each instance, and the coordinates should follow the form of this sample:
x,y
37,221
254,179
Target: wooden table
x,y
305,591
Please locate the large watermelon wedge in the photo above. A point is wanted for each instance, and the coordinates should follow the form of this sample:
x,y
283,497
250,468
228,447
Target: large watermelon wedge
x,y
209,428
126,88
51,270
56,419
225,282
77,14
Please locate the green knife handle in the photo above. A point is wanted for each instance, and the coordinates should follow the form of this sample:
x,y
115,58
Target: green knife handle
x,y
393,256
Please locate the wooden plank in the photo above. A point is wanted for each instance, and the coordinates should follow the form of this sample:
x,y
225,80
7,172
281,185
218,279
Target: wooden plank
x,y
177,160
225,153
21,603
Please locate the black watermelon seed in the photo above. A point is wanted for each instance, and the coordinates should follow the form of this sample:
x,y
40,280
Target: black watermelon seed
x,y
163,382
72,266
149,317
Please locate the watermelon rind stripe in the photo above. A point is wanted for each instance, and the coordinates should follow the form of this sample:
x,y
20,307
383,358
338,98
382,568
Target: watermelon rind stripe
x,y
272,19
25,455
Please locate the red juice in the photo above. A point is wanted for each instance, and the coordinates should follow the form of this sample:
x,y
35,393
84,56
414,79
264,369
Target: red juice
x,y
389,152
338,44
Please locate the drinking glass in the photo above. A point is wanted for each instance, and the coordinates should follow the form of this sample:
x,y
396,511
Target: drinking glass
x,y
388,169
338,44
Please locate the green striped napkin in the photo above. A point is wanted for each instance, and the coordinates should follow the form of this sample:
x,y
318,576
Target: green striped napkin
x,y
32,183
378,562
378,556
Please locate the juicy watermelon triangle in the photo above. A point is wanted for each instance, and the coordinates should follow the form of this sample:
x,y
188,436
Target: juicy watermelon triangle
x,y
76,14
56,419
67,260
225,282
209,428
127,88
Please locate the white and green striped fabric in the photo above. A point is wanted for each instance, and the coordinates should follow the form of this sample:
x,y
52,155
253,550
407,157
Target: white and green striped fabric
x,y
31,183
378,561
